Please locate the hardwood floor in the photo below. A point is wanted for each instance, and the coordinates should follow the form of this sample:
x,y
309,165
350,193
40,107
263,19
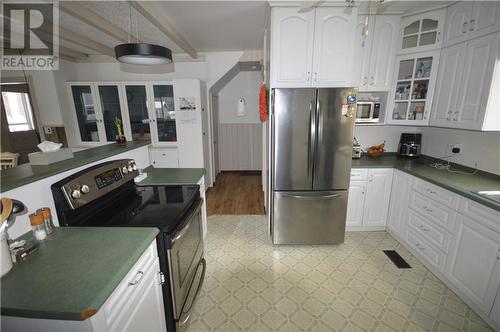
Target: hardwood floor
x,y
236,193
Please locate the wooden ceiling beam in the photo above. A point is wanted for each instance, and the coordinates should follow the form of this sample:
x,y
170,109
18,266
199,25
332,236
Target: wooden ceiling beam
x,y
86,15
78,39
153,15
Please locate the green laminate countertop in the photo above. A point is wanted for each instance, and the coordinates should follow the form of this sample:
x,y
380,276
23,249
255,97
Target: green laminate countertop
x,y
171,176
73,272
25,173
462,184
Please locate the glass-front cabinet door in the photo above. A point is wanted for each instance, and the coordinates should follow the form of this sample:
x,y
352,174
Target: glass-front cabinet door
x,y
111,110
88,119
411,97
163,122
137,106
422,32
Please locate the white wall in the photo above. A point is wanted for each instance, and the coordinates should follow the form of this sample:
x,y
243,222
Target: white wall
x,y
212,66
245,85
482,148
373,135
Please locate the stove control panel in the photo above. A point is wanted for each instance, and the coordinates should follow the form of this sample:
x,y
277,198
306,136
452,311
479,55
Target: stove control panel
x,y
97,182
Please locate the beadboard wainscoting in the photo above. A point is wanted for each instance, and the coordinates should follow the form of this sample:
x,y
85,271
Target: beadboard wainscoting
x,y
240,146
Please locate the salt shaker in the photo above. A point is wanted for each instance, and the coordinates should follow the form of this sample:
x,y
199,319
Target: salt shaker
x,y
38,226
47,218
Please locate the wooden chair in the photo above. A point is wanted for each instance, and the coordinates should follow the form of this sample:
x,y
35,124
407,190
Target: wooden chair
x,y
8,159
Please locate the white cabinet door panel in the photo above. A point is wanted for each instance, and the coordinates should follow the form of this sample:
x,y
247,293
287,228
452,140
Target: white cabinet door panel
x,y
474,263
383,52
485,18
355,203
377,198
291,47
398,215
477,73
448,85
333,46
361,51
457,23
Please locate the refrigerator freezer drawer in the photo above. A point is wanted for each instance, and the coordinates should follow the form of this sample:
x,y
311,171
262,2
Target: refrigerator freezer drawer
x,y
316,217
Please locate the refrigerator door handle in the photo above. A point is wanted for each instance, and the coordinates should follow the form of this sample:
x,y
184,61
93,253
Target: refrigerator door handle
x,y
317,129
311,139
312,198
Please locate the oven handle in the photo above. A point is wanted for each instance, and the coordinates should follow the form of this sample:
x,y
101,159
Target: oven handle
x,y
184,230
191,306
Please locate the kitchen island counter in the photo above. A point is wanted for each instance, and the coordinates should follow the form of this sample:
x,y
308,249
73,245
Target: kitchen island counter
x,y
463,184
171,176
25,173
73,272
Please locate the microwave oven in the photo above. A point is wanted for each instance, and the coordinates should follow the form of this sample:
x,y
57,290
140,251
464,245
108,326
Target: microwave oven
x,y
368,112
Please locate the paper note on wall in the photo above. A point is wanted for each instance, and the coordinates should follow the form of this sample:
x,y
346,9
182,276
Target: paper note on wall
x,y
187,110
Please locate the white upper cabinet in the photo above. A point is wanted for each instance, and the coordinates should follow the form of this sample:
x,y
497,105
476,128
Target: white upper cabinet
x,y
448,82
421,32
479,93
334,36
383,52
312,48
410,98
468,19
468,85
292,46
457,19
374,51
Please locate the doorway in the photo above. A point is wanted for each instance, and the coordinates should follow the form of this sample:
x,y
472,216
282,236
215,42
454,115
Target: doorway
x,y
18,122
237,142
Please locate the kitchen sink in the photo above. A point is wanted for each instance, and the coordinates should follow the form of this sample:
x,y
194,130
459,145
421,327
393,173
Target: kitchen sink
x,y
491,194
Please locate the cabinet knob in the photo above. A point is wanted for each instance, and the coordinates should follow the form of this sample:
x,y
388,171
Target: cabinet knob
x,y
472,27
464,27
315,76
455,116
448,115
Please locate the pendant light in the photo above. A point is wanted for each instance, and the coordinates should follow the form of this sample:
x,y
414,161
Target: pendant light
x,y
142,53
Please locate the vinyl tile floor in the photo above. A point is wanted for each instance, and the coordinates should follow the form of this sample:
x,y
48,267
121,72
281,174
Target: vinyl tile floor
x,y
252,285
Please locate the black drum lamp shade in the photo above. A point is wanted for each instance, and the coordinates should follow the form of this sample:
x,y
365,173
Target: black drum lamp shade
x,y
143,54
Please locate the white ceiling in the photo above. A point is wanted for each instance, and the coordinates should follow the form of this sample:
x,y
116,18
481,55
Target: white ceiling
x,y
206,25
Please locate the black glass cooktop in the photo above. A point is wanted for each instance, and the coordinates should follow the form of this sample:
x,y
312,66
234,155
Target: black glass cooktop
x,y
163,206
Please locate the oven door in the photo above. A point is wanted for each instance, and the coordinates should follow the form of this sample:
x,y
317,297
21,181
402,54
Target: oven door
x,y
365,112
185,257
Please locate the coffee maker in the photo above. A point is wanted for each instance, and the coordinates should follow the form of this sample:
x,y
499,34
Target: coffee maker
x,y
410,144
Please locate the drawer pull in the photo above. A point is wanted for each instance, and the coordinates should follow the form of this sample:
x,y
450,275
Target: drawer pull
x,y
419,246
138,279
498,255
427,209
431,191
422,227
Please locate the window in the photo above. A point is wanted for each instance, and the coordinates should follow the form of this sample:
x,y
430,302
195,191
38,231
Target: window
x,y
18,111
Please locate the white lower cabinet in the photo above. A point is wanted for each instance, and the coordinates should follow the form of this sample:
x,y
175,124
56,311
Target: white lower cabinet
x,y
164,157
355,204
378,193
401,184
456,238
136,304
368,200
495,312
474,262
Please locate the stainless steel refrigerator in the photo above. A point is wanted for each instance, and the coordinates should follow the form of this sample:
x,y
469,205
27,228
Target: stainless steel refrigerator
x,y
311,152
